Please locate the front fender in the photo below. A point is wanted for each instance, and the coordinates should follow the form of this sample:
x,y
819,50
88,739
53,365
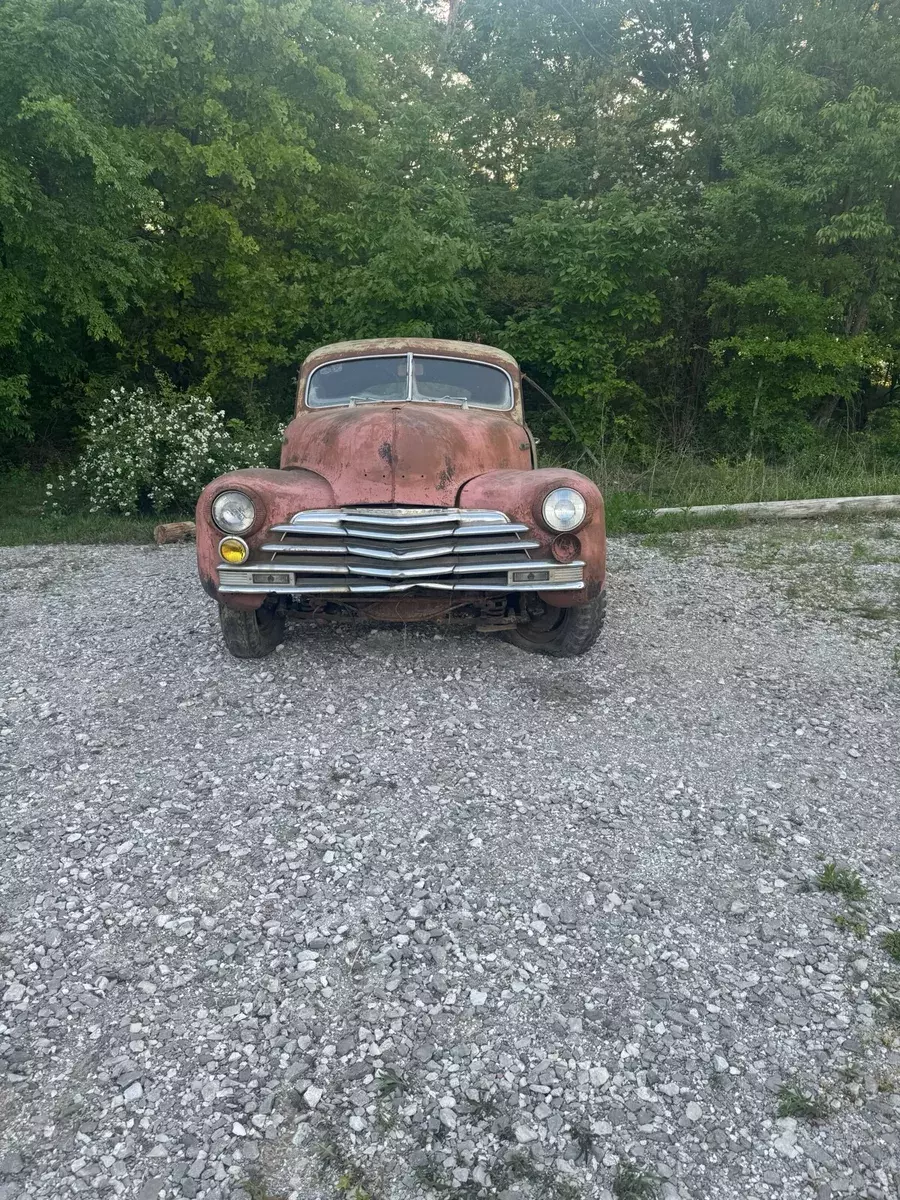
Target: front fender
x,y
276,495
520,495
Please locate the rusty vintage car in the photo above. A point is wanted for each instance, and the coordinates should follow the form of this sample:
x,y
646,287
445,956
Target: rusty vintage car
x,y
408,490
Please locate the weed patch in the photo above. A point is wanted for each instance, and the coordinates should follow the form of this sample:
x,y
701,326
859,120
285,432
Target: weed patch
x,y
632,1182
390,1082
584,1141
853,924
431,1177
805,1106
887,1000
256,1189
520,1165
841,881
349,1187
483,1109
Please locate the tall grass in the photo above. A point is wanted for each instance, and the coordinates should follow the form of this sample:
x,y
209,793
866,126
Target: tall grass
x,y
22,522
669,480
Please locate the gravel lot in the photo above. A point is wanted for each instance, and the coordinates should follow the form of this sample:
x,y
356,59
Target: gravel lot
x,y
401,914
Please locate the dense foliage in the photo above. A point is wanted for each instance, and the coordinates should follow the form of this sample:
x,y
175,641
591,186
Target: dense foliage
x,y
154,450
684,218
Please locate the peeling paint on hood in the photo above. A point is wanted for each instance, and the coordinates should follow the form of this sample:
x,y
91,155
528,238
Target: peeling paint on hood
x,y
403,453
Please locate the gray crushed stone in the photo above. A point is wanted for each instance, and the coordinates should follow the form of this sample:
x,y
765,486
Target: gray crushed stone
x,y
396,914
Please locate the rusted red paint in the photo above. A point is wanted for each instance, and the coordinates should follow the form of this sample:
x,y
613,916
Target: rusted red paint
x,y
402,453
277,495
520,495
407,453
565,547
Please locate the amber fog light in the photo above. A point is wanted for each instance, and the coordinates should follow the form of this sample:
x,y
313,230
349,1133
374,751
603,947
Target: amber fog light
x,y
565,547
234,550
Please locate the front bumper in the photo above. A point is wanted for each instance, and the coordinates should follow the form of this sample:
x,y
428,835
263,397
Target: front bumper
x,y
373,551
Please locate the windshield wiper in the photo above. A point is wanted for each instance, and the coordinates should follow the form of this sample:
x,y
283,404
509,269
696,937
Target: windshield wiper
x,y
370,399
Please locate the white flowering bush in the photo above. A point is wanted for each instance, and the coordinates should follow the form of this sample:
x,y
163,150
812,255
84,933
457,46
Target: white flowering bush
x,y
155,450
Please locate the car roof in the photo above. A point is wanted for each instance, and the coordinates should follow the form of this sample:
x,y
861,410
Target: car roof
x,y
441,347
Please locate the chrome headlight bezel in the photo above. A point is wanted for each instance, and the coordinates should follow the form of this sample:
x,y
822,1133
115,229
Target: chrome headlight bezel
x,y
564,510
236,526
244,548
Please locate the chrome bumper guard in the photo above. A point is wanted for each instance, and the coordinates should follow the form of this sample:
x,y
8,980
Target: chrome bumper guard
x,y
372,551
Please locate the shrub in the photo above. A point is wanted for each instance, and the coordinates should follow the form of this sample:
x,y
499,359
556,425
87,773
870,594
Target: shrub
x,y
883,430
154,450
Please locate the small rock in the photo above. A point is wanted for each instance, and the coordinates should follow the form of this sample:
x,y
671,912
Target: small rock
x,y
152,1187
11,1164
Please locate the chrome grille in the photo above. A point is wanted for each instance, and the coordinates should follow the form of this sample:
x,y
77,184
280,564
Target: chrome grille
x,y
371,551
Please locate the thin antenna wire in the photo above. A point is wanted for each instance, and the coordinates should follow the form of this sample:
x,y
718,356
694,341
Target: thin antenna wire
x,y
565,416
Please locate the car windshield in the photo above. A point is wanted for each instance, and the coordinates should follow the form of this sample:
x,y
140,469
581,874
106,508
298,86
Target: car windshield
x,y
409,377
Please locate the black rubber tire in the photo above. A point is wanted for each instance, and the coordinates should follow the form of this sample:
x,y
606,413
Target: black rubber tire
x,y
573,634
251,634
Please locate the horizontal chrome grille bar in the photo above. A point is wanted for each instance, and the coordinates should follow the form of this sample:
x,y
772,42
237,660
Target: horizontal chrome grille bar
x,y
349,529
352,589
393,518
370,551
308,547
378,571
304,547
479,577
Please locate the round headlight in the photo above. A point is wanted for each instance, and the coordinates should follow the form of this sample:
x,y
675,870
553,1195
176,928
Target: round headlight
x,y
233,512
564,509
234,550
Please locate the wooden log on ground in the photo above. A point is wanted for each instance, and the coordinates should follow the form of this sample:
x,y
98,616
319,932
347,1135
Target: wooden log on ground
x,y
790,510
175,531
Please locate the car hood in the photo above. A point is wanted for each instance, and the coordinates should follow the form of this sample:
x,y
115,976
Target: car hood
x,y
406,453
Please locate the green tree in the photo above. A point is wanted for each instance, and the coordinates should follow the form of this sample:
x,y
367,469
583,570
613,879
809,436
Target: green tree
x,y
74,201
410,243
590,271
256,120
682,217
804,221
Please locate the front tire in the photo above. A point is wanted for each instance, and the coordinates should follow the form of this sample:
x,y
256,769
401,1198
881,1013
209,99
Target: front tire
x,y
251,634
562,632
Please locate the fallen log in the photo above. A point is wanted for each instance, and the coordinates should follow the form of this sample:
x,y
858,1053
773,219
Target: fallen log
x,y
789,510
175,531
